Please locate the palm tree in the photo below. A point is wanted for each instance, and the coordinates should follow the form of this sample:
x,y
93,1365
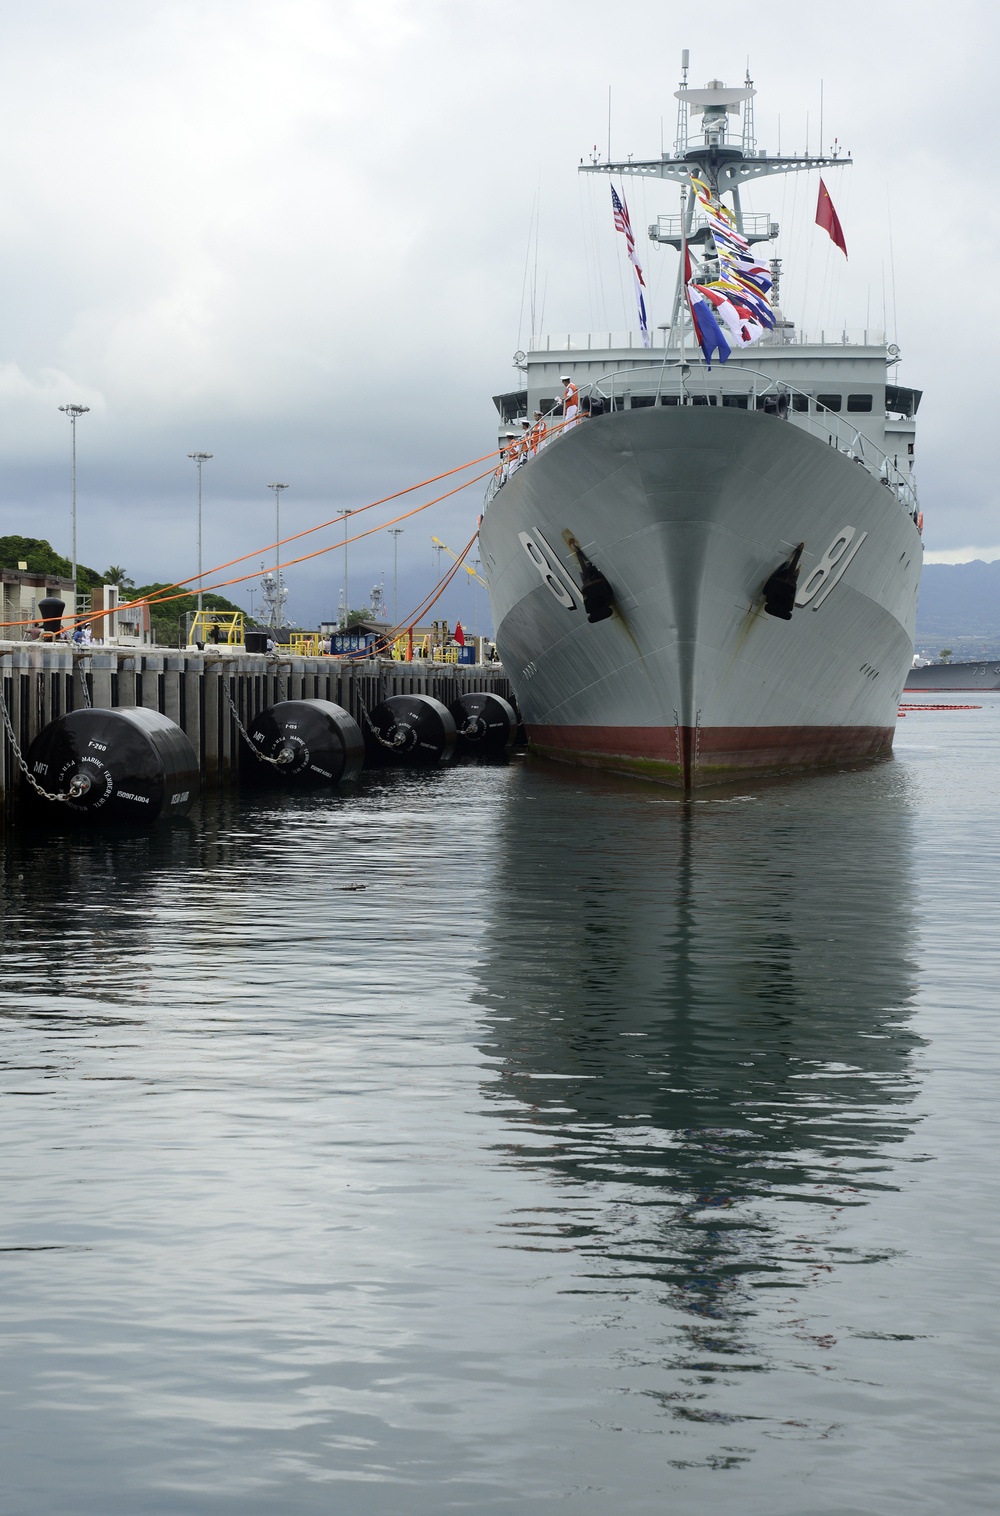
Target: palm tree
x,y
115,574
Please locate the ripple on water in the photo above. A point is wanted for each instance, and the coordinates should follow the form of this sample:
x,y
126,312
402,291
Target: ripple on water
x,y
600,1149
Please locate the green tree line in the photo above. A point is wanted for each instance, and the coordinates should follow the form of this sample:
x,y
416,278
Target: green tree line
x,y
167,620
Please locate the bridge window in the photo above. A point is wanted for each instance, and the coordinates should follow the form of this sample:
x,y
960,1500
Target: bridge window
x,y
638,401
739,402
900,401
800,402
512,406
670,399
828,402
859,402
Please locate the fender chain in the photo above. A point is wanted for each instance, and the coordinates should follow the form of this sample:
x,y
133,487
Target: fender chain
x,y
372,727
84,686
242,729
22,762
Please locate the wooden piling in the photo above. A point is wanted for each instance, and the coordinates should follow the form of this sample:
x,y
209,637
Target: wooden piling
x,y
41,681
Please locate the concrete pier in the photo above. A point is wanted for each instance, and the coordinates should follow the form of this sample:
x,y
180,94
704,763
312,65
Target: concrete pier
x,y
41,681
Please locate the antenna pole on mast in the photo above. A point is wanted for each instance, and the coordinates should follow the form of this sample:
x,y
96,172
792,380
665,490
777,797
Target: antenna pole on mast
x,y
681,139
749,133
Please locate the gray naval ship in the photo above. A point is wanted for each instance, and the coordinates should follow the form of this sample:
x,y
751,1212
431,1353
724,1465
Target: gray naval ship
x,y
983,674
711,570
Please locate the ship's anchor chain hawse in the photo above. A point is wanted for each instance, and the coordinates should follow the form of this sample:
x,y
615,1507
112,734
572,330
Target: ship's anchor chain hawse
x,y
598,596
780,588
594,589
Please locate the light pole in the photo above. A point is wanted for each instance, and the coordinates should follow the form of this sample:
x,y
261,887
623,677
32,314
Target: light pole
x,y
74,412
347,609
476,564
395,532
199,459
277,488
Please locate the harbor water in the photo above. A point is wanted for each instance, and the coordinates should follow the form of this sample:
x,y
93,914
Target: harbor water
x,y
510,1139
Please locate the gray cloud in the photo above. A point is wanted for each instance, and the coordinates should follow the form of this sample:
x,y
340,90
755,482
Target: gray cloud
x,y
295,236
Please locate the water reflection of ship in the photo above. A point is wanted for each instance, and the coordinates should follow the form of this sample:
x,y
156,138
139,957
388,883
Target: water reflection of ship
x,y
697,1014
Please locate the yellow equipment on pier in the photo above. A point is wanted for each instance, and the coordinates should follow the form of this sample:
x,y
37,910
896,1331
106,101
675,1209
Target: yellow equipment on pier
x,y
220,627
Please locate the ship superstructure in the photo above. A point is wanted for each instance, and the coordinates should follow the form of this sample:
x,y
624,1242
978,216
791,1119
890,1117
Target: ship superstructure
x,y
713,569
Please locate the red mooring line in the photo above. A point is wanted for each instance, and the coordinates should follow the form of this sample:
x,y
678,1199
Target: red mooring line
x,y
904,708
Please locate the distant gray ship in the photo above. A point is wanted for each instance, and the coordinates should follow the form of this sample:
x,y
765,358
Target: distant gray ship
x,y
715,572
981,675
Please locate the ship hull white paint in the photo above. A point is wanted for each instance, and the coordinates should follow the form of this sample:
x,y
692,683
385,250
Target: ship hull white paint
x,y
687,511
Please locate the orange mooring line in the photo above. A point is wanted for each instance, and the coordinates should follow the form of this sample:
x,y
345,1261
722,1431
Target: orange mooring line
x,y
425,605
164,599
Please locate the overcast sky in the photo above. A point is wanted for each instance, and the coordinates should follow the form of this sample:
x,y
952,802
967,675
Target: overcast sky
x,y
294,235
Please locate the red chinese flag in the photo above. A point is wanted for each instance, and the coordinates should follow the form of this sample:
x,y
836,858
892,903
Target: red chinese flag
x,y
827,218
459,634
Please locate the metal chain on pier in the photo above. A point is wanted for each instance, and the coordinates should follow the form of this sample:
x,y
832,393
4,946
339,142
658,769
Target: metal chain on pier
x,y
88,704
275,762
280,665
22,761
383,741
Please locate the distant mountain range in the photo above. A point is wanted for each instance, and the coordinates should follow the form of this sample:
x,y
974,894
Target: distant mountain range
x,y
959,605
959,599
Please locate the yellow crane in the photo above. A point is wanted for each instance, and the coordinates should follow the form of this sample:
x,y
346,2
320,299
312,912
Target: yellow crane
x,y
438,543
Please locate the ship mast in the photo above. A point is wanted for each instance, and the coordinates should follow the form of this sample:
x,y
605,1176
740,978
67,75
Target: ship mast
x,y
723,160
725,164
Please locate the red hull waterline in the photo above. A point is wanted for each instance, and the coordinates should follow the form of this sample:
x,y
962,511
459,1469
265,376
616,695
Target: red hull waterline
x,y
690,757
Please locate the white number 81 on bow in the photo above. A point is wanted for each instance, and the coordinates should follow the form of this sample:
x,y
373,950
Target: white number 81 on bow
x,y
831,568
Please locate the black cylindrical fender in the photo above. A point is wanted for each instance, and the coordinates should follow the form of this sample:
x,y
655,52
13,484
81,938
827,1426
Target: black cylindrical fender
x,y
128,765
413,730
314,742
486,724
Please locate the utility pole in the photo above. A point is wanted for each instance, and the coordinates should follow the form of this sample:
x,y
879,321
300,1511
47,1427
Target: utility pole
x,y
278,612
74,412
199,459
395,532
347,611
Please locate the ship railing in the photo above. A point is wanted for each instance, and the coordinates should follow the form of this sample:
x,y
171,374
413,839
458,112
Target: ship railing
x,y
757,227
782,336
846,436
763,392
844,336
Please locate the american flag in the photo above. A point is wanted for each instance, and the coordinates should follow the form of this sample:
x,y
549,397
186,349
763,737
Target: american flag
x,y
623,224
